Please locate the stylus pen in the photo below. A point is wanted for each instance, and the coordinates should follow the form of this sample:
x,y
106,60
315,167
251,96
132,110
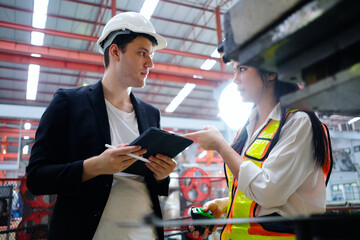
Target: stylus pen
x,y
129,154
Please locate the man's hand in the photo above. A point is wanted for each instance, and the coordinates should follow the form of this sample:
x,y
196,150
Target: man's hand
x,y
110,161
161,166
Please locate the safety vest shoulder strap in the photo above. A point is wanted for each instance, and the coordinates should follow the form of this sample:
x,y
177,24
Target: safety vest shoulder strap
x,y
327,167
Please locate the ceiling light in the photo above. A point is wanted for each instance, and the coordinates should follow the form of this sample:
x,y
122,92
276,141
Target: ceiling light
x,y
37,38
209,63
148,8
32,83
40,6
180,97
40,11
215,54
197,76
39,20
35,55
355,119
27,126
25,150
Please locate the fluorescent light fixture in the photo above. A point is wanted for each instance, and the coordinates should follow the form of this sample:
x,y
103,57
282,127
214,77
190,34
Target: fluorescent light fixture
x,y
26,137
35,55
25,150
197,76
148,8
40,11
215,54
39,20
40,6
209,63
180,97
37,38
32,83
355,119
27,126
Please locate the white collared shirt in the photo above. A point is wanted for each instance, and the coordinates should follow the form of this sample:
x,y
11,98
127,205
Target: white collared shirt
x,y
289,182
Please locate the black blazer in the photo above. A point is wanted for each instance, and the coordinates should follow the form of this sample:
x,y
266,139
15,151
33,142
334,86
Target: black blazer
x,y
75,127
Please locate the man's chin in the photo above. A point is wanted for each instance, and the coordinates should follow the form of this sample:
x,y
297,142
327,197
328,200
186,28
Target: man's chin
x,y
141,85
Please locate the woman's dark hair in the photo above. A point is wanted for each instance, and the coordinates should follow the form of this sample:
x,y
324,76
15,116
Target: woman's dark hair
x,y
123,40
281,88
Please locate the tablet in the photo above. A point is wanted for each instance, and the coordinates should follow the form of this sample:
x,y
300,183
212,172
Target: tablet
x,y
155,141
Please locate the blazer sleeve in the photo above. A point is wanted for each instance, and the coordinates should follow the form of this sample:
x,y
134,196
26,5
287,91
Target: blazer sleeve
x,y
48,172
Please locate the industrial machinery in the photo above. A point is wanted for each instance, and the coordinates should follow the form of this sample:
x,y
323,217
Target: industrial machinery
x,y
312,43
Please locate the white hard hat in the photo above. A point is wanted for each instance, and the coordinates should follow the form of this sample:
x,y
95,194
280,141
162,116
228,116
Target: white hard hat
x,y
122,23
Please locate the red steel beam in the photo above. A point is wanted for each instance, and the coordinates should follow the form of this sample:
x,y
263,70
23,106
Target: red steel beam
x,y
48,72
9,143
176,113
113,8
219,33
4,131
47,31
134,90
48,62
40,82
22,100
54,63
148,83
18,121
80,58
93,39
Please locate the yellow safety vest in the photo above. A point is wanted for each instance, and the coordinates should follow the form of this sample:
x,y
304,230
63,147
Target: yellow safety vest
x,y
240,206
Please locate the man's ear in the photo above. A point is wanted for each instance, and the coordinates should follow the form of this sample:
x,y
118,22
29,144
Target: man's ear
x,y
114,52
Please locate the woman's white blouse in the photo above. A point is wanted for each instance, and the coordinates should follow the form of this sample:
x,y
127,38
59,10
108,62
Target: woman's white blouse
x,y
289,182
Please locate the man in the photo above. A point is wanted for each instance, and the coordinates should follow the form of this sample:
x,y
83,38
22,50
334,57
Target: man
x,y
69,157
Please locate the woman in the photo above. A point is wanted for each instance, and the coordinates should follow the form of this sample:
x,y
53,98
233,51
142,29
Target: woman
x,y
278,165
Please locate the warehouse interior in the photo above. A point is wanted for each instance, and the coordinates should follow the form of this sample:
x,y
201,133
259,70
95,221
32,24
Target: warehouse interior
x,y
51,44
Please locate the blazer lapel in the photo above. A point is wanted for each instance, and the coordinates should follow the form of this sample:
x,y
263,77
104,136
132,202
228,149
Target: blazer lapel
x,y
140,113
97,100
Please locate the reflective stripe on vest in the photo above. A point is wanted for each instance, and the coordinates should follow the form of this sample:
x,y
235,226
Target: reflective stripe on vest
x,y
258,149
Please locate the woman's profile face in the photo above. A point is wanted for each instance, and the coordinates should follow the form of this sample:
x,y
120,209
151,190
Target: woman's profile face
x,y
249,82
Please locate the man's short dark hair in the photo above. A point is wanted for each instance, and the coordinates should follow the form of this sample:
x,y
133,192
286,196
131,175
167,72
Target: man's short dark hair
x,y
123,40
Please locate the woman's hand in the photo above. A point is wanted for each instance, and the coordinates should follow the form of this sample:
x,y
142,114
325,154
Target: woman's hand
x,y
209,139
218,207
